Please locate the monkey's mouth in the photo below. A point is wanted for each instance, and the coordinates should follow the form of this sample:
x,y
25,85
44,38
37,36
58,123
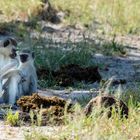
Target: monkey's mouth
x,y
13,55
23,58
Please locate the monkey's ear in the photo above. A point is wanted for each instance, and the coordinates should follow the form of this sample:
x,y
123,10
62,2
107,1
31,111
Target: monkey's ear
x,y
13,41
33,55
6,43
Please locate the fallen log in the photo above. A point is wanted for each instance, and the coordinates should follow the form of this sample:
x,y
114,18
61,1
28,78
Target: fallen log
x,y
74,95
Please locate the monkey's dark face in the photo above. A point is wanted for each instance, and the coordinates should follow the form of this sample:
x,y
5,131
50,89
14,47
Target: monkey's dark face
x,y
23,58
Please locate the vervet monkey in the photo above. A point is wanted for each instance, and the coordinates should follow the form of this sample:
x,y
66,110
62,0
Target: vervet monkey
x,y
7,54
21,80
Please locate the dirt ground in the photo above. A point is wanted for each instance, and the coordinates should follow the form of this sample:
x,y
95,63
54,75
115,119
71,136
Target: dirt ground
x,y
19,133
68,74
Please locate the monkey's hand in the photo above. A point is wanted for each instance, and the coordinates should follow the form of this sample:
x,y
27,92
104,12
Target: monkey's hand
x,y
23,77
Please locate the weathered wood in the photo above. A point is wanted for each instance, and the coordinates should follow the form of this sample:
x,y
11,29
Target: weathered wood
x,y
74,95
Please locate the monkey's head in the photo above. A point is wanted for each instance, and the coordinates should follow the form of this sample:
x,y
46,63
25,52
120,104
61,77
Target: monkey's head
x,y
8,48
26,56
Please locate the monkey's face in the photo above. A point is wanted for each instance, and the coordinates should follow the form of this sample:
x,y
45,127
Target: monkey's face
x,y
13,53
8,48
23,58
26,56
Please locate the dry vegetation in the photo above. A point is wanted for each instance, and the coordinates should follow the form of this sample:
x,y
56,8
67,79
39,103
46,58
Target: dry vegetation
x,y
115,16
19,10
107,16
95,127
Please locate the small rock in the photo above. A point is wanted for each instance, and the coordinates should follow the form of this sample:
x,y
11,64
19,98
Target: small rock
x,y
109,102
49,29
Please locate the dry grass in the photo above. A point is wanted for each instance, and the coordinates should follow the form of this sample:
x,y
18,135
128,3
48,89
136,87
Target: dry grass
x,y
96,127
108,16
114,15
19,9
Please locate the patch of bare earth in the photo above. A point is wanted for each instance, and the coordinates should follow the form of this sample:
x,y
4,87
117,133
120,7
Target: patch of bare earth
x,y
19,133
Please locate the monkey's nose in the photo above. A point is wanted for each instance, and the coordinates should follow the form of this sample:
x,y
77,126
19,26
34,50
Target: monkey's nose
x,y
13,53
14,49
23,58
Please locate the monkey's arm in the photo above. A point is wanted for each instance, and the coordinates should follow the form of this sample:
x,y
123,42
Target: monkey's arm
x,y
33,84
8,67
11,87
10,73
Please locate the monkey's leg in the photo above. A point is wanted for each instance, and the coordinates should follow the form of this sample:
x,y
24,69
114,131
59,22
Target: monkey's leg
x,y
0,87
13,89
3,98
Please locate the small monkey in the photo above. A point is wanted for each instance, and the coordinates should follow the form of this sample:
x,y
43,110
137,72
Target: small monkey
x,y
21,80
8,54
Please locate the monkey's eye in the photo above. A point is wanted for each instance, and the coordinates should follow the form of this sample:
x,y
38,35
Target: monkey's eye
x,y
23,58
6,43
14,50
